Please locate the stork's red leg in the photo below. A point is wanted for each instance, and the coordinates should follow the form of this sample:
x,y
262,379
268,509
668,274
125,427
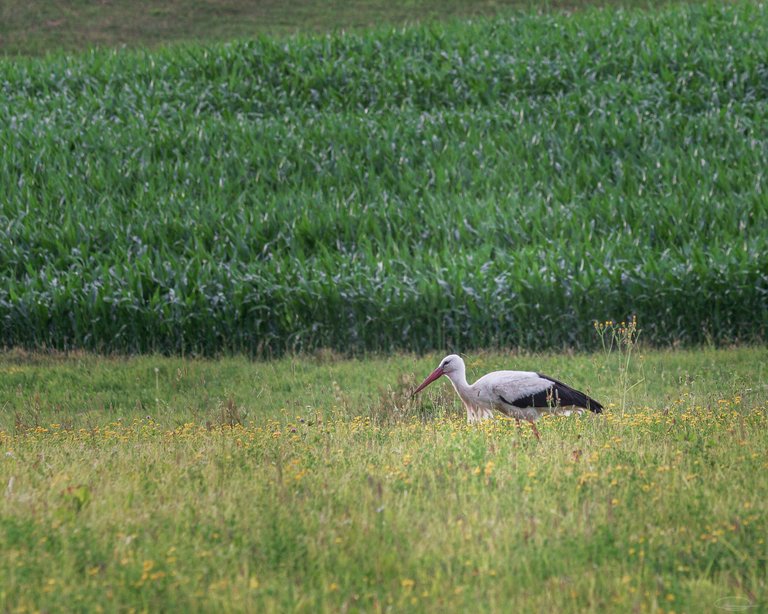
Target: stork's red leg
x,y
535,431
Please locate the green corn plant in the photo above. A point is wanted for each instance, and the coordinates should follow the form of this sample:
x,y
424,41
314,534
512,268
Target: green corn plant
x,y
469,184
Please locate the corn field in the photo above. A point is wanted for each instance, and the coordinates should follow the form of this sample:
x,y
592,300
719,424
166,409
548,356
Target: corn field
x,y
500,182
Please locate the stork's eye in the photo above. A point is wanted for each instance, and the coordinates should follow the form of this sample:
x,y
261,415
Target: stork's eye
x,y
446,363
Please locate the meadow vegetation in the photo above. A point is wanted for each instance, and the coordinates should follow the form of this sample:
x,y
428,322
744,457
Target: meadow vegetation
x,y
315,484
496,183
40,27
514,182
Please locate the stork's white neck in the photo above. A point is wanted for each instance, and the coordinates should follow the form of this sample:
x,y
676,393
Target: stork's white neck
x,y
458,377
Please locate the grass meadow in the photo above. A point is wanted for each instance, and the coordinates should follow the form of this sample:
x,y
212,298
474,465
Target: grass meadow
x,y
225,266
315,484
37,27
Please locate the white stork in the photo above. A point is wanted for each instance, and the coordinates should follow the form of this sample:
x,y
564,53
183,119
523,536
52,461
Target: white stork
x,y
522,395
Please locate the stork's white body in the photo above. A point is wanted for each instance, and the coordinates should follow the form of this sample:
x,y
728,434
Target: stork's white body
x,y
523,395
496,389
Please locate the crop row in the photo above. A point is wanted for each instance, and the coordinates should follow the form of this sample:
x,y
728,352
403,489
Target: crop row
x,y
502,182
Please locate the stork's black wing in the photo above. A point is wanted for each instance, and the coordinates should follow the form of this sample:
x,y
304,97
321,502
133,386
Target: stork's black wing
x,y
560,394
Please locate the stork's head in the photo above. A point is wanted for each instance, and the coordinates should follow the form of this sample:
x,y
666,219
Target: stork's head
x,y
448,365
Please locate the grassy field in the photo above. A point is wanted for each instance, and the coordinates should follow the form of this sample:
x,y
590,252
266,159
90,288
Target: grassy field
x,y
501,183
314,484
37,26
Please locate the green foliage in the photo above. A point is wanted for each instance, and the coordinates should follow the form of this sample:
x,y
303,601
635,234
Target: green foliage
x,y
495,183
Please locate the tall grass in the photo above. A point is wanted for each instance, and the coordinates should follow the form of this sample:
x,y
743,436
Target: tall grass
x,y
310,492
500,182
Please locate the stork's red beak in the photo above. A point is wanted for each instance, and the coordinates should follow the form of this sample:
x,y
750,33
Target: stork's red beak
x,y
432,377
